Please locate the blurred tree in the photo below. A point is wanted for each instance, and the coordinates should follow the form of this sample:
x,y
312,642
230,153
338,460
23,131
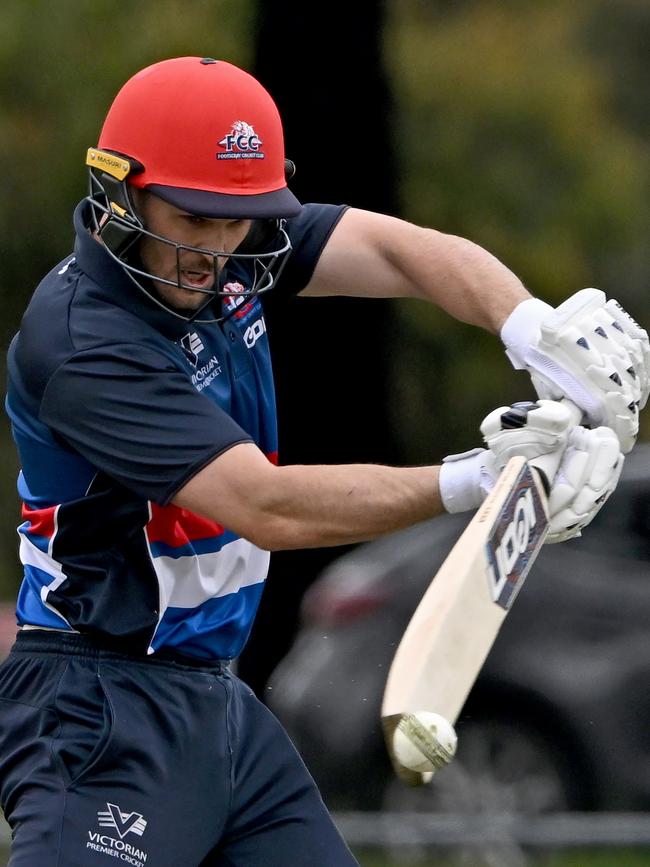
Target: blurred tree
x,y
509,135
617,35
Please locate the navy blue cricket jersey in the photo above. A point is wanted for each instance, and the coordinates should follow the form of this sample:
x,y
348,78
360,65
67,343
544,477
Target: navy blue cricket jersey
x,y
115,404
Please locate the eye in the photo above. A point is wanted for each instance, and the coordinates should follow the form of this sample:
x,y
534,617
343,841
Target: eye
x,y
194,219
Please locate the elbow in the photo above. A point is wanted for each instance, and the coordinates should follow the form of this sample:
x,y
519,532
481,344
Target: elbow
x,y
268,516
243,491
273,533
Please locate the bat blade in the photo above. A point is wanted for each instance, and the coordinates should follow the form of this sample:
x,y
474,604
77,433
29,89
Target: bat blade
x,y
453,628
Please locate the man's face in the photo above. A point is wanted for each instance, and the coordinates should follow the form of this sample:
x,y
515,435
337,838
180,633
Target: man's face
x,y
197,269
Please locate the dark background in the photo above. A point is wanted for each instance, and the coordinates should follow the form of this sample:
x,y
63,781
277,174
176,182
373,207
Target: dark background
x,y
331,356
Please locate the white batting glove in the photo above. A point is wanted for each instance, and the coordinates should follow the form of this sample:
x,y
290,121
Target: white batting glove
x,y
589,350
466,479
581,467
534,430
587,476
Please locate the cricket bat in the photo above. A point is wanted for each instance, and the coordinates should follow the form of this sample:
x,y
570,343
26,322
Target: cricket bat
x,y
455,624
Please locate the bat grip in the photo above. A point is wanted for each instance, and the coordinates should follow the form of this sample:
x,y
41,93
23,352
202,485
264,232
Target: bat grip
x,y
547,465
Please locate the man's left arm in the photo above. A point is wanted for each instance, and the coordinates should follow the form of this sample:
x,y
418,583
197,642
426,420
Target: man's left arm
x,y
588,349
375,256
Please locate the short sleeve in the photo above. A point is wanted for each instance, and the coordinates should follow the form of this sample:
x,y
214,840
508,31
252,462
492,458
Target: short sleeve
x,y
135,416
308,233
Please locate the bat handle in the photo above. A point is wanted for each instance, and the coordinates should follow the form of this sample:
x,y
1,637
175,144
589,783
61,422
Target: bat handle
x,y
547,465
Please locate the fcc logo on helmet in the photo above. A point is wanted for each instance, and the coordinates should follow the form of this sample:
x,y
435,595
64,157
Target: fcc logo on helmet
x,y
241,143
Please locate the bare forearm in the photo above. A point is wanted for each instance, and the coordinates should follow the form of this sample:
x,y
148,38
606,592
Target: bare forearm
x,y
309,506
313,506
371,255
459,276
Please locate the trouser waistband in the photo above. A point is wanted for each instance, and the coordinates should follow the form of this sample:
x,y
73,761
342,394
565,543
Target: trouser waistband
x,y
34,641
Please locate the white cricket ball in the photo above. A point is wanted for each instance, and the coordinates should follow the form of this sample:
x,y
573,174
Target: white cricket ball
x,y
424,741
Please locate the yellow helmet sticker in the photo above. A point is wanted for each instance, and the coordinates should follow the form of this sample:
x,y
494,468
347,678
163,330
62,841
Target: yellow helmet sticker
x,y
109,163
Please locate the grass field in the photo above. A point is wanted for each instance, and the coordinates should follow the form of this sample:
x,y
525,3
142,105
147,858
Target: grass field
x,y
576,858
579,858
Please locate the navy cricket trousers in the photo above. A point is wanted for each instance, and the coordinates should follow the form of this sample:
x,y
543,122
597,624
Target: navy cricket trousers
x,y
110,759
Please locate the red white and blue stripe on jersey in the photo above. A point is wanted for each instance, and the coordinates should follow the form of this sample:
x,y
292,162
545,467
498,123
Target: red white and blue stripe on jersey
x,y
210,580
41,571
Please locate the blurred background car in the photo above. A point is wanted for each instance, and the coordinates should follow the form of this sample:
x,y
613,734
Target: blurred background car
x,y
559,717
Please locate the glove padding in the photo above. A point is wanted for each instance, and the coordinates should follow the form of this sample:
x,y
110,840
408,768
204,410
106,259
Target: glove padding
x,y
581,466
534,430
589,350
588,474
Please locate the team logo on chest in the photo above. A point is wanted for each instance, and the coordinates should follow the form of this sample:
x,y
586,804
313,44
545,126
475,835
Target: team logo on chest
x,y
236,300
204,374
192,346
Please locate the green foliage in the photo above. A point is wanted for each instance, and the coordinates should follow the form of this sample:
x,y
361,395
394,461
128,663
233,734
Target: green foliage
x,y
580,858
606,858
508,133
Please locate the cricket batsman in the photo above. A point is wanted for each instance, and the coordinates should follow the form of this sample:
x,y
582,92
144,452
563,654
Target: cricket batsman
x,y
142,406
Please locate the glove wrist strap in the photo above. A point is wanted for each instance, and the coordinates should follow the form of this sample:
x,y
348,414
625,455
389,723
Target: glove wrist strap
x,y
521,329
459,481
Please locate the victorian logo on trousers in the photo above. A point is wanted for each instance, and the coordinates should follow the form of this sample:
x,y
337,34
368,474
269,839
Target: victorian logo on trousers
x,y
123,823
118,825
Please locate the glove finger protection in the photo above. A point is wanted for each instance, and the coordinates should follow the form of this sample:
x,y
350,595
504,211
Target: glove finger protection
x,y
589,350
640,346
534,430
587,476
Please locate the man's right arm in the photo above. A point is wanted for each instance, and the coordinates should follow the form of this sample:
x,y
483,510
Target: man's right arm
x,y
312,506
302,506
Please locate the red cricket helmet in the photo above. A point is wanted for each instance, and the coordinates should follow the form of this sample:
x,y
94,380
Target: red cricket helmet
x,y
208,137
